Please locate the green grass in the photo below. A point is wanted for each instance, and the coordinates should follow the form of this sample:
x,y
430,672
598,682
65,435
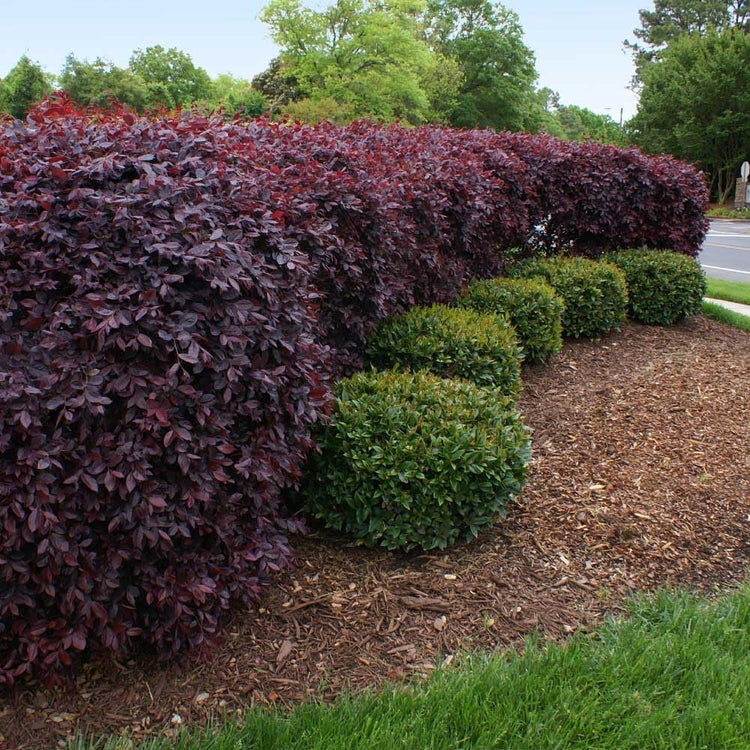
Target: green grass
x,y
734,291
717,312
728,213
675,674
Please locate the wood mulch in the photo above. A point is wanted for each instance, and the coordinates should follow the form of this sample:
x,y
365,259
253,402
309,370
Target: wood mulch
x,y
640,479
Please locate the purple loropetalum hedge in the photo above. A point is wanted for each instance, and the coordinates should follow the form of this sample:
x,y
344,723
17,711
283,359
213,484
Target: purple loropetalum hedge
x,y
593,197
159,374
176,295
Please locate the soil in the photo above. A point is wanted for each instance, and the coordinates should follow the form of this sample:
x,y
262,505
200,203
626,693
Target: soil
x,y
640,479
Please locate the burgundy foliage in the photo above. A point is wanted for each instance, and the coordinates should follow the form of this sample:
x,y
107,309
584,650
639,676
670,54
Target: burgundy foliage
x,y
176,295
591,197
416,213
158,378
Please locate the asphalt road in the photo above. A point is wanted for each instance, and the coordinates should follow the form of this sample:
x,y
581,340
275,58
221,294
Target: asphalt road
x,y
726,251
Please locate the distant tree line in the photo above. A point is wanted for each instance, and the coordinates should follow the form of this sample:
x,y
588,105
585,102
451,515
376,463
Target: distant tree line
x,y
456,62
155,78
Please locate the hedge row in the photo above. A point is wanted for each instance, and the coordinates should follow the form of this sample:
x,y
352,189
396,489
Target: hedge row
x,y
176,296
592,197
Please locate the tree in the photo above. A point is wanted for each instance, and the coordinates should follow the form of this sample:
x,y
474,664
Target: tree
x,y
364,54
581,124
695,104
100,81
671,18
175,72
499,73
277,85
236,96
25,84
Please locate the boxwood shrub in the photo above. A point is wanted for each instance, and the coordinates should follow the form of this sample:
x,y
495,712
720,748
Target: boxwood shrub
x,y
595,293
663,287
532,307
412,460
451,342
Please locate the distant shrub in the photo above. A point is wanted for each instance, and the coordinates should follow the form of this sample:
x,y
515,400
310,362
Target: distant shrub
x,y
663,287
532,307
413,460
595,293
451,342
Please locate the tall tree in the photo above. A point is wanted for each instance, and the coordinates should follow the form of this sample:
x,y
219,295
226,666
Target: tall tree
x,y
695,104
278,85
175,71
486,39
25,84
671,18
364,54
100,81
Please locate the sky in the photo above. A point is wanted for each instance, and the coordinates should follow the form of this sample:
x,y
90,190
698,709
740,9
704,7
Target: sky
x,y
577,43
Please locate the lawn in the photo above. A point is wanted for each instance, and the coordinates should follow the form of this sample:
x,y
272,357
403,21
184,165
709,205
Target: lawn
x,y
717,312
676,673
733,291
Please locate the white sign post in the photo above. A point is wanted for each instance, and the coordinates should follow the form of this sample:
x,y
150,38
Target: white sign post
x,y
742,191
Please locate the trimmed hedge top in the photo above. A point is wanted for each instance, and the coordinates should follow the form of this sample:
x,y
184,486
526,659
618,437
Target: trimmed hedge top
x,y
663,287
413,460
451,342
532,306
595,293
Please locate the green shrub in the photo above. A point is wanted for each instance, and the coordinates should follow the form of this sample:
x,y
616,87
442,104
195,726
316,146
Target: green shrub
x,y
450,342
723,212
594,292
663,287
533,309
413,460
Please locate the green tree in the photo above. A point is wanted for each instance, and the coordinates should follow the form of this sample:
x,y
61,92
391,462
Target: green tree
x,y
486,39
364,54
672,18
100,81
172,71
695,104
581,124
25,84
277,85
236,96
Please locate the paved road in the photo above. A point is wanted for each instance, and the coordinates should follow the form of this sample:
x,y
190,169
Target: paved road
x,y
726,251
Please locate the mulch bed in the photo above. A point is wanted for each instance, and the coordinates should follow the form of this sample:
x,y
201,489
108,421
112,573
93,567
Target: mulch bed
x,y
640,479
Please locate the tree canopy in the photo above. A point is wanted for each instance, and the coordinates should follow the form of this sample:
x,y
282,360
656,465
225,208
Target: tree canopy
x,y
672,18
695,103
25,84
181,82
486,40
363,54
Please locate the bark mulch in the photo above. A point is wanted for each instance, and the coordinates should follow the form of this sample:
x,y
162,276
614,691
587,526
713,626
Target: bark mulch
x,y
640,479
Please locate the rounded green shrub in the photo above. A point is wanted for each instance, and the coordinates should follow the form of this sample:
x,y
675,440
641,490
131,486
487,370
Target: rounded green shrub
x,y
451,342
532,307
413,460
595,292
663,287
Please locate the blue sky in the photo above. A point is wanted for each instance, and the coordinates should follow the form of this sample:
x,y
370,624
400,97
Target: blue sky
x,y
577,43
